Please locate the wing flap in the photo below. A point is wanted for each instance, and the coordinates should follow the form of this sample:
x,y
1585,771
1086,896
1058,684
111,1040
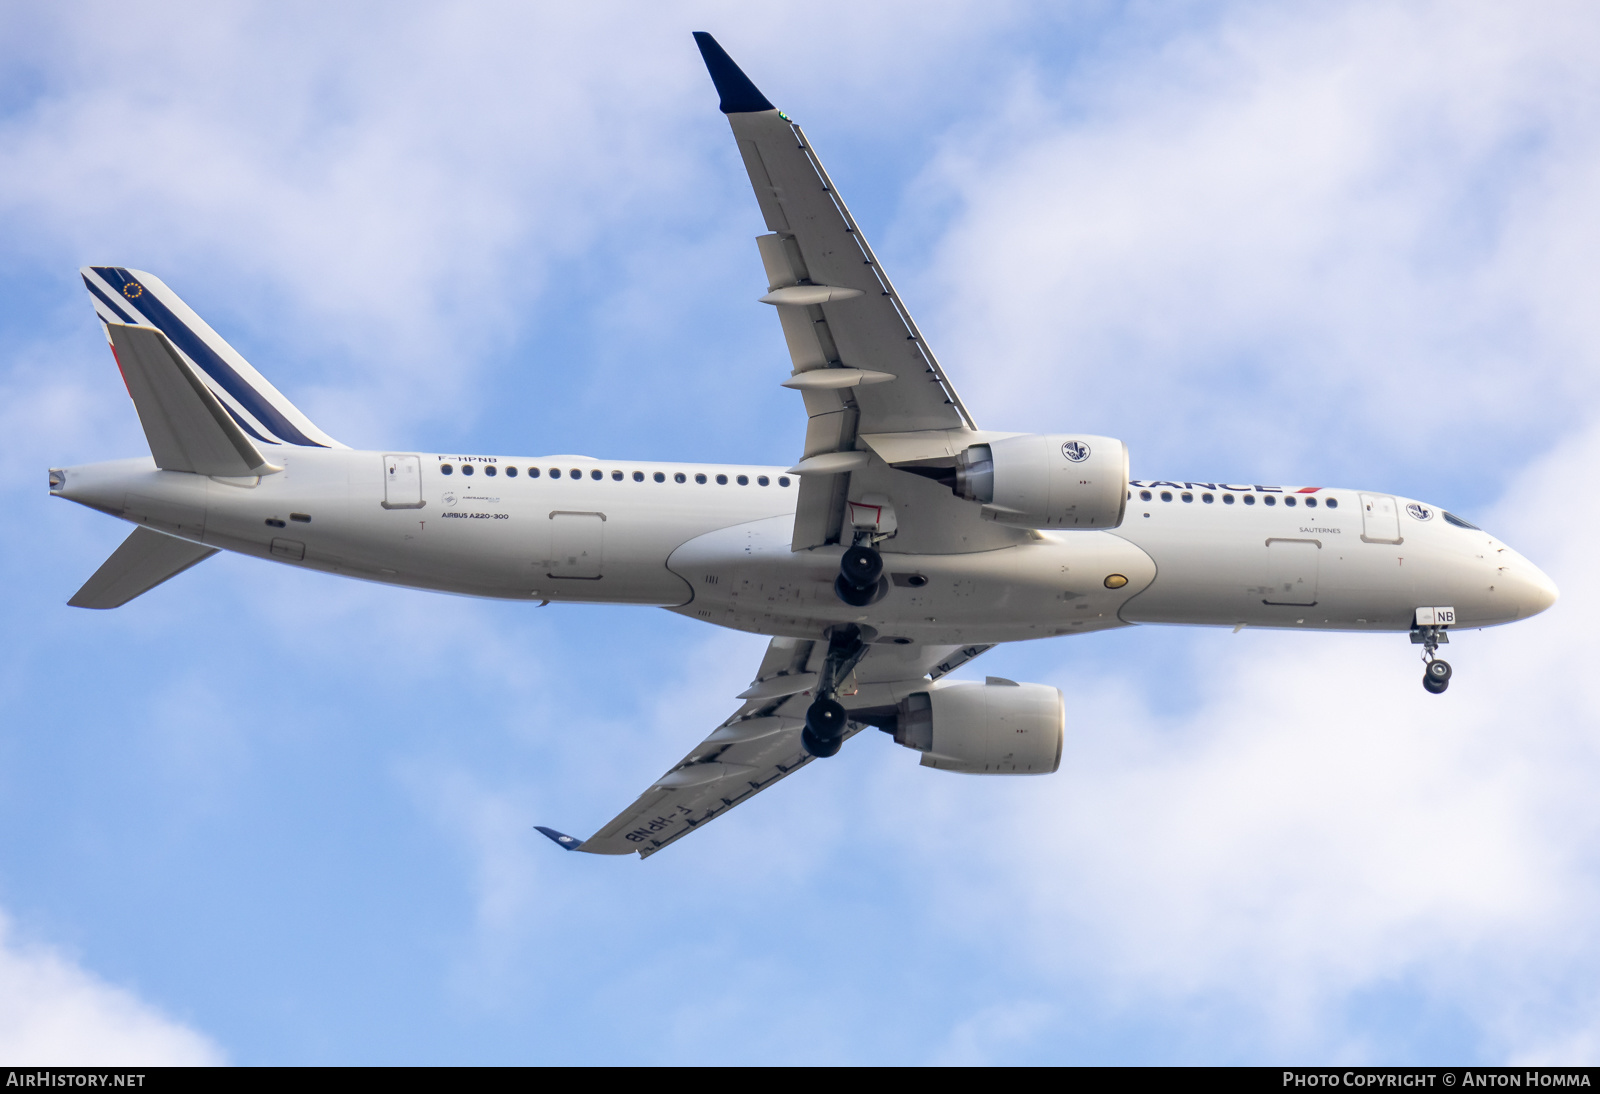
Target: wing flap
x,y
837,306
816,241
145,559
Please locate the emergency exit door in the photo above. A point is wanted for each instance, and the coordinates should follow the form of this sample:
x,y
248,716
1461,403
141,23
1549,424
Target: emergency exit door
x,y
1292,566
577,545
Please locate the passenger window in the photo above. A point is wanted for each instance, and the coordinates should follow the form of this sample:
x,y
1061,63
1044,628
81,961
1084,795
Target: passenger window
x,y
1333,503
490,471
575,473
783,480
1187,497
1311,503
1144,495
659,477
1289,501
762,480
1207,498
466,469
701,479
555,472
446,469
1166,495
638,476
597,474
722,480
1249,499
1227,499
616,476
744,480
1270,500
511,472
680,477
533,472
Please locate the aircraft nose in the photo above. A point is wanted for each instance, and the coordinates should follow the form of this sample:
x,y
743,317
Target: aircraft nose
x,y
1535,591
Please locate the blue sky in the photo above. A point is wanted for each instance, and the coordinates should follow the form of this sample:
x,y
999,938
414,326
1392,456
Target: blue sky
x,y
266,816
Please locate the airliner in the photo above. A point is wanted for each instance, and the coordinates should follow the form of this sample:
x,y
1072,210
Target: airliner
x,y
903,543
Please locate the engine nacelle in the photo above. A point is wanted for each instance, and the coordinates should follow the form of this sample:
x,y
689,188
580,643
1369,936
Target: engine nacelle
x,y
994,728
1059,480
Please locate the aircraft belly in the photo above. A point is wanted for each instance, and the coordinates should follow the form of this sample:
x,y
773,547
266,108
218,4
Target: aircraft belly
x,y
747,578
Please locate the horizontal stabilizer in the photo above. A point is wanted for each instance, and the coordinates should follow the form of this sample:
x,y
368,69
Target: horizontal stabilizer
x,y
187,427
145,560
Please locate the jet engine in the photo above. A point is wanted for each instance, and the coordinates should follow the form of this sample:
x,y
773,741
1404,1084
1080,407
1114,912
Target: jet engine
x,y
994,728
1047,480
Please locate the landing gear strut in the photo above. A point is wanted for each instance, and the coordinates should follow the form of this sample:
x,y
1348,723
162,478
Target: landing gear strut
x,y
826,720
1435,672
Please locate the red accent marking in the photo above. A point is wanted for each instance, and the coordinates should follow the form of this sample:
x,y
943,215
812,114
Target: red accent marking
x,y
120,371
1308,490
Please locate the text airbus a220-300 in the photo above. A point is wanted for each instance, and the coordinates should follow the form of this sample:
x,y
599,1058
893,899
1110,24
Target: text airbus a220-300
x,y
904,542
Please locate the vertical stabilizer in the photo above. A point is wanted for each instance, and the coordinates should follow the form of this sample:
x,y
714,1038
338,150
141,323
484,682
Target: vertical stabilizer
x,y
136,298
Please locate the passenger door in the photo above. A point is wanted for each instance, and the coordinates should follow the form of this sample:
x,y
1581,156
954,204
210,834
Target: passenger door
x,y
402,482
1380,519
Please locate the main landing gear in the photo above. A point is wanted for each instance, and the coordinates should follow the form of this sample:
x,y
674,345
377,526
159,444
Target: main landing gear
x,y
860,581
1435,672
826,720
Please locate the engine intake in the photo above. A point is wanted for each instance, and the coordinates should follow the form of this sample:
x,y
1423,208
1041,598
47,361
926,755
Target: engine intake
x,y
994,728
1060,480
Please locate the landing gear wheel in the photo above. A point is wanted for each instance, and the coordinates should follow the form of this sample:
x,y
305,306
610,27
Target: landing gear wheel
x,y
820,748
1438,671
1434,687
825,720
856,598
861,566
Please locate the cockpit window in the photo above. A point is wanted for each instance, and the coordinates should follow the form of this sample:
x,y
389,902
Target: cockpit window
x,y
1451,518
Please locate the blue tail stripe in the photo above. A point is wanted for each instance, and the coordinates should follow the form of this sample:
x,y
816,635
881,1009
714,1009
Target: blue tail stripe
x,y
203,355
246,426
110,303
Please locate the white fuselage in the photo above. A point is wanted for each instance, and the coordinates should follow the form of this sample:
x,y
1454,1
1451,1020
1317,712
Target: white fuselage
x,y
700,543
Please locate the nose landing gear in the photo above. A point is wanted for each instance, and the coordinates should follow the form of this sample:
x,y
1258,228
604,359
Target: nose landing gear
x,y
1436,673
826,719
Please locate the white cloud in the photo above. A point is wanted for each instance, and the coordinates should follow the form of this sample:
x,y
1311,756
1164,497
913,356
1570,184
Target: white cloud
x,y
53,1012
1371,226
1365,221
1369,223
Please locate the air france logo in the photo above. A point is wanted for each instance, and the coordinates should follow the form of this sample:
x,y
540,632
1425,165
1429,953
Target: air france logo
x,y
1076,451
1421,512
133,290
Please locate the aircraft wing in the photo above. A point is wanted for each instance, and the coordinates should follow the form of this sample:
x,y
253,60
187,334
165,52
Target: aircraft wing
x,y
859,359
760,743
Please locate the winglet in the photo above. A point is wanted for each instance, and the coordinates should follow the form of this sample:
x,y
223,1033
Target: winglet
x,y
739,95
561,838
